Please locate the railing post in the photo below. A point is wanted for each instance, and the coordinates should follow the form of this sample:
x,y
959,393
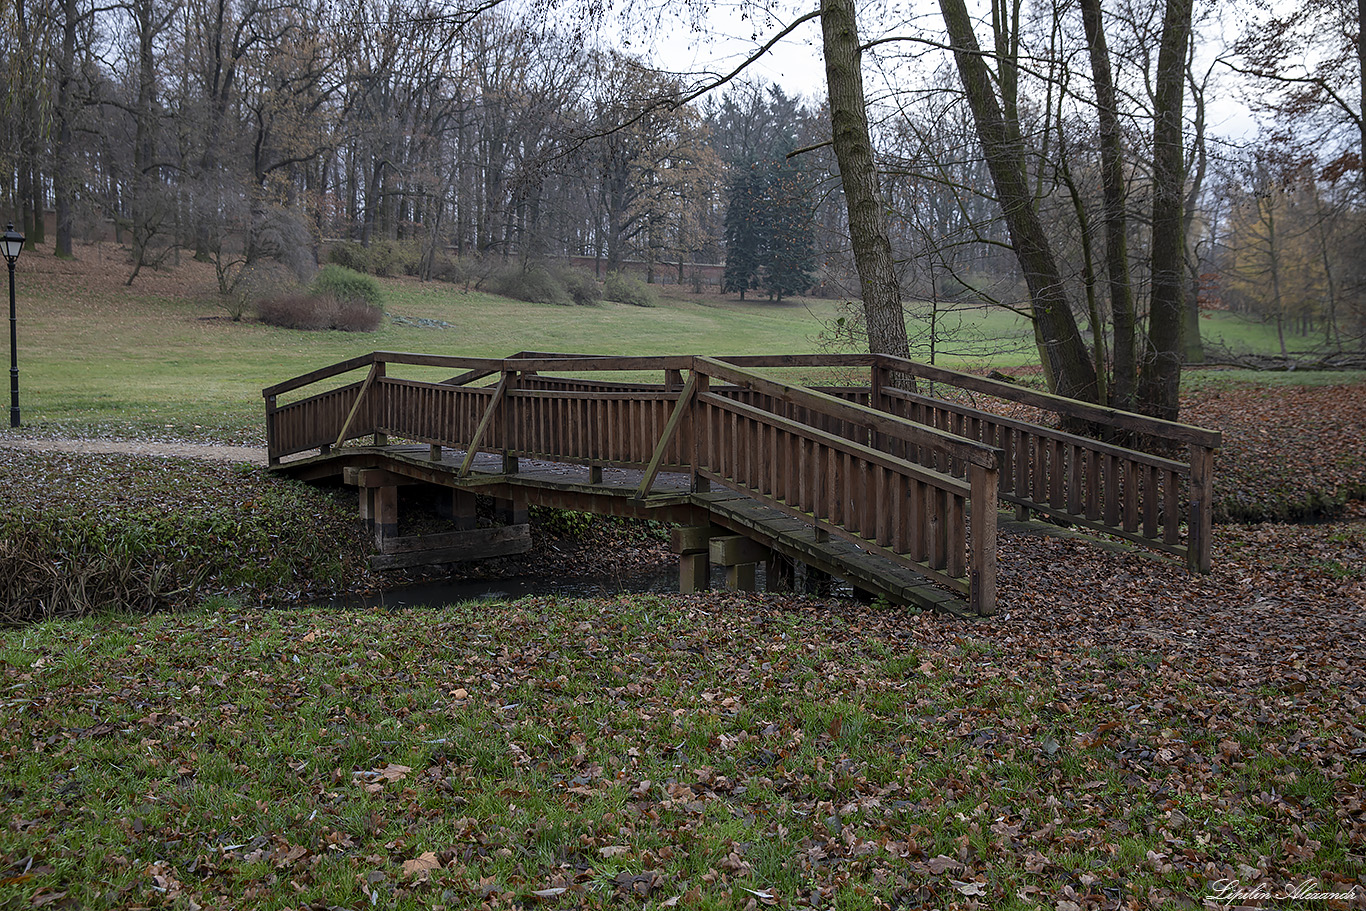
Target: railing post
x,y
271,446
510,464
381,438
1201,518
699,483
982,562
875,439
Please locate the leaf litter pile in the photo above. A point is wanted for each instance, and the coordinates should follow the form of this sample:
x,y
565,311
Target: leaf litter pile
x,y
1123,735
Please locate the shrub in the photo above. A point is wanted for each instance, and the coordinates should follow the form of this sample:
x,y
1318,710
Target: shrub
x,y
313,312
534,284
583,288
350,254
627,290
347,285
357,316
385,259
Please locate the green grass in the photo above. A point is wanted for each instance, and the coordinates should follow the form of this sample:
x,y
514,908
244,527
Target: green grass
x,y
161,359
625,751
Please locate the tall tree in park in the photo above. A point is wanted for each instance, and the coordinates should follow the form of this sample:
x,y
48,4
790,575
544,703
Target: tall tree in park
x,y
852,141
770,241
789,254
744,231
1154,373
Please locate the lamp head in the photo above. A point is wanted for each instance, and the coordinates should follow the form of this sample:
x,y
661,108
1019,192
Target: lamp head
x,y
11,244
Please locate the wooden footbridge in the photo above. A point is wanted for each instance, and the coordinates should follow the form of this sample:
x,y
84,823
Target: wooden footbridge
x,y
896,491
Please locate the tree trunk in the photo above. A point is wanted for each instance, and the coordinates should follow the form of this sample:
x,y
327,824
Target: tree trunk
x,y
1160,386
882,313
1068,361
1116,226
63,165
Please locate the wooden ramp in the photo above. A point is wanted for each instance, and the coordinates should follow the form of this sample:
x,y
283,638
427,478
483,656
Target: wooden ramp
x,y
891,488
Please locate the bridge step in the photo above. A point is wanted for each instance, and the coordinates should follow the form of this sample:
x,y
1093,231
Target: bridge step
x,y
798,540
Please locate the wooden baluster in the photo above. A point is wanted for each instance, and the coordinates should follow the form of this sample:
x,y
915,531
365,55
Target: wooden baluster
x,y
1095,487
982,563
863,502
1058,472
1171,507
900,501
1112,494
883,506
955,535
1022,468
1132,517
918,520
1075,491
1150,496
1039,458
937,527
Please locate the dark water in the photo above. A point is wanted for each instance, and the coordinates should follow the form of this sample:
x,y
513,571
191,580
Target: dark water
x,y
438,593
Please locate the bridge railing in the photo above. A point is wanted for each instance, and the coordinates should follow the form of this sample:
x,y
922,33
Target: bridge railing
x,y
871,461
1144,495
726,425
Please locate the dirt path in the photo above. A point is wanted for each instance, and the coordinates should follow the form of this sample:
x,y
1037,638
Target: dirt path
x,y
211,452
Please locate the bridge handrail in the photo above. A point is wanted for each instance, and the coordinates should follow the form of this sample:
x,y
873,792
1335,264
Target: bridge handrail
x,y
877,421
1157,428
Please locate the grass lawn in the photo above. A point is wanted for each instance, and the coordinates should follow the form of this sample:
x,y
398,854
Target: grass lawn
x,y
1122,735
163,358
720,752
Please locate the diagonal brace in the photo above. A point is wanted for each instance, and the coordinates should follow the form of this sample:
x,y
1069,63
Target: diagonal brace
x,y
375,369
484,423
685,400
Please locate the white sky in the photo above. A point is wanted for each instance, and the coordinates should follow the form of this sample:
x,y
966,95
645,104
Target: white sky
x,y
730,30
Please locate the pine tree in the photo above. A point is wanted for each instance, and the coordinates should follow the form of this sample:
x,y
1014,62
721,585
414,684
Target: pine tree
x,y
770,233
789,255
745,231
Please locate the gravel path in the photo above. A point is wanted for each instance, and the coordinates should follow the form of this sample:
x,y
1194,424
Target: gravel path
x,y
207,451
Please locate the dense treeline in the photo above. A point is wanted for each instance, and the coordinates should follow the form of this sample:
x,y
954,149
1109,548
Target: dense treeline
x,y
248,130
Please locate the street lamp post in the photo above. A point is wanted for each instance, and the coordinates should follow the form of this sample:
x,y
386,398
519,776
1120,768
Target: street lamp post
x,y
11,245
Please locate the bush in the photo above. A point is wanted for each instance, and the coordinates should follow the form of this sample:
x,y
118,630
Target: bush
x,y
313,312
627,290
534,284
357,316
347,285
583,288
350,254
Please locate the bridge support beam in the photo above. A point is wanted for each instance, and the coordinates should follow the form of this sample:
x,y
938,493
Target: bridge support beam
x,y
691,543
511,510
780,573
457,505
738,555
379,511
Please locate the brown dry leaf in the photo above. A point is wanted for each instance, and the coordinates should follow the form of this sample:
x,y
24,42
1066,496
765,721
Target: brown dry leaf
x,y
421,865
393,772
